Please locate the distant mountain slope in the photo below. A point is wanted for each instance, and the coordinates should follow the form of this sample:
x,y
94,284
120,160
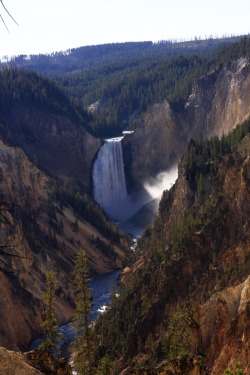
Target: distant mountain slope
x,y
187,292
91,56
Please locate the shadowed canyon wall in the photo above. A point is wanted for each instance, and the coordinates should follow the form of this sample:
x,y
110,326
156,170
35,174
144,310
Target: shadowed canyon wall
x,y
59,147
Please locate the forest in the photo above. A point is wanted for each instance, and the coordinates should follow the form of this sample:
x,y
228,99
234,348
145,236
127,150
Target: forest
x,y
125,80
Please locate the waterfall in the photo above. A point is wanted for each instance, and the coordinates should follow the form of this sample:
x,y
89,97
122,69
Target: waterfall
x,y
110,187
109,179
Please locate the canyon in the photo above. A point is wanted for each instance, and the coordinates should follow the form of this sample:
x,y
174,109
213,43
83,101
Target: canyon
x,y
46,167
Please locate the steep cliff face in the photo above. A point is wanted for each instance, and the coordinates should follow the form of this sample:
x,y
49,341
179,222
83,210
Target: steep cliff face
x,y
217,103
59,147
226,332
44,232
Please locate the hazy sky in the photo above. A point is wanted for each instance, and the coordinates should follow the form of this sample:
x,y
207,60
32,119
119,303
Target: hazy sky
x,y
56,25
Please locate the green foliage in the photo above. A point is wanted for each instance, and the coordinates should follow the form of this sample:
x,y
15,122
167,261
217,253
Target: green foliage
x,y
51,337
236,371
128,86
178,334
83,345
105,366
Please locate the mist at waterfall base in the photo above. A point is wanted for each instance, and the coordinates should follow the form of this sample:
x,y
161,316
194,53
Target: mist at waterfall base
x,y
147,202
128,211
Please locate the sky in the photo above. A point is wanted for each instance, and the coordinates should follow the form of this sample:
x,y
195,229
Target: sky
x,y
46,26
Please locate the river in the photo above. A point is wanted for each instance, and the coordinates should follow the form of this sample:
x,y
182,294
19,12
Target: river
x,y
101,296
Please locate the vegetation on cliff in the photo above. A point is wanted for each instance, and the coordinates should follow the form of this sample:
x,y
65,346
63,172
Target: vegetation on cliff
x,y
197,246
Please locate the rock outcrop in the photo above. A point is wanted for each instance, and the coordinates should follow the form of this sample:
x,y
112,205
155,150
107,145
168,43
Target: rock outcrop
x,y
216,104
226,332
32,363
219,100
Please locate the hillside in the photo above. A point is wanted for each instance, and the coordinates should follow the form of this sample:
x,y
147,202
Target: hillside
x,y
187,292
117,83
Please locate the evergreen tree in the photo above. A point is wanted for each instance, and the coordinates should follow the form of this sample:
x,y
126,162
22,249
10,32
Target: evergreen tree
x,y
105,366
178,333
83,346
51,336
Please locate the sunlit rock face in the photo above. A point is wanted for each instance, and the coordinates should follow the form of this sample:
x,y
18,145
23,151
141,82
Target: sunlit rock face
x,y
219,100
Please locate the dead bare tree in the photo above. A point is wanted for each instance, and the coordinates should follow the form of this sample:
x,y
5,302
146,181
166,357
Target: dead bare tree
x,y
6,10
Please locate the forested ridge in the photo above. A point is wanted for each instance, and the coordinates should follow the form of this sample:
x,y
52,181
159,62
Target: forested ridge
x,y
92,56
125,80
27,88
130,87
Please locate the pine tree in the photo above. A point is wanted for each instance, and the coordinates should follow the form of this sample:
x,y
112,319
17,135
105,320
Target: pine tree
x,y
51,336
178,333
105,366
83,346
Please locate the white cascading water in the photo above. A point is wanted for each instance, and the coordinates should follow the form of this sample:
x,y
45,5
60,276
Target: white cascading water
x,y
109,179
110,184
